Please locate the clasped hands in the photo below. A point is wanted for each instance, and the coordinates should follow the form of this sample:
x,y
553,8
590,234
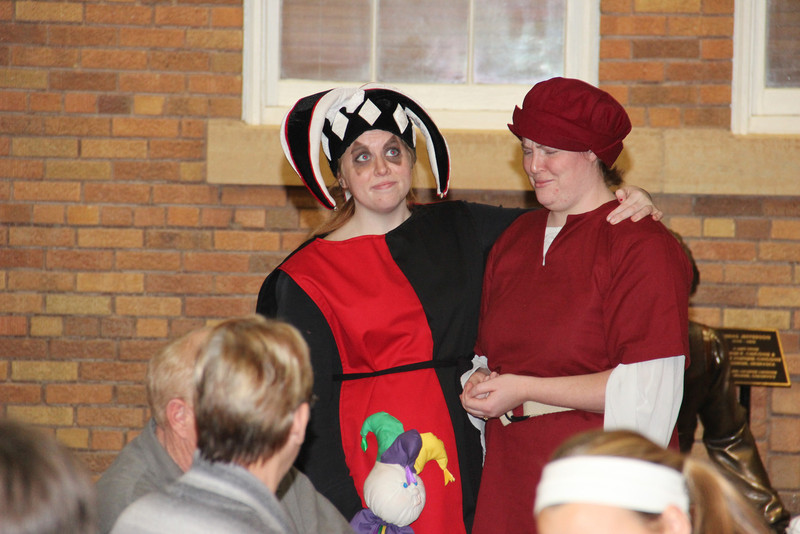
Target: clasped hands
x,y
487,395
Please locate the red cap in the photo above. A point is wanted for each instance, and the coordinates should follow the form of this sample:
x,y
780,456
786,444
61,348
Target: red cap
x,y
572,115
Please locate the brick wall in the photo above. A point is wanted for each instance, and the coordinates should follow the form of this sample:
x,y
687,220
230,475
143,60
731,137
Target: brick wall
x,y
112,242
669,62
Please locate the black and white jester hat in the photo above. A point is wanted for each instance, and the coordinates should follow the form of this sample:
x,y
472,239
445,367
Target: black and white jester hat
x,y
335,118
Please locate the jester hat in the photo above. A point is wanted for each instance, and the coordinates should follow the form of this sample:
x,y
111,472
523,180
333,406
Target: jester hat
x,y
335,118
409,449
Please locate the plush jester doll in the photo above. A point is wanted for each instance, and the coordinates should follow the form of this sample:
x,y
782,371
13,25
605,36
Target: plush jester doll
x,y
393,491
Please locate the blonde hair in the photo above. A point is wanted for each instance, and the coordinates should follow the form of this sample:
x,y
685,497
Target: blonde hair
x,y
716,505
169,373
252,376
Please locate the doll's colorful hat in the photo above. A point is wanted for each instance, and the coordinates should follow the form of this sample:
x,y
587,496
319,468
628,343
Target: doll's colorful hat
x,y
407,448
335,118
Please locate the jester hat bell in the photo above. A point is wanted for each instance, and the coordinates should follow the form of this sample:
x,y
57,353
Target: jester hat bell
x,y
335,118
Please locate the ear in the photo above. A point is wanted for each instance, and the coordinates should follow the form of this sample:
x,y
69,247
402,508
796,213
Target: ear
x,y
298,430
675,521
180,417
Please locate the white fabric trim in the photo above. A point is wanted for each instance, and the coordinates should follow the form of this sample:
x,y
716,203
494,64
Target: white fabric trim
x,y
369,112
326,145
339,125
614,481
478,362
401,119
645,397
419,123
332,100
550,233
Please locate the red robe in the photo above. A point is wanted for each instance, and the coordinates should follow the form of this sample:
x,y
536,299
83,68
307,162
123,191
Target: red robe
x,y
607,295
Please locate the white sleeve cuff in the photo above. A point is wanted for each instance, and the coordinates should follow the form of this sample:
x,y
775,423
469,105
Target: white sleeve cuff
x,y
646,397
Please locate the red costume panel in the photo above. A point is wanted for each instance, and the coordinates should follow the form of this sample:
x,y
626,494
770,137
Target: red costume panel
x,y
371,337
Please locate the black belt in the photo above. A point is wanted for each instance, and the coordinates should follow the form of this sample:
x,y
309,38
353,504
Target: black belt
x,y
429,364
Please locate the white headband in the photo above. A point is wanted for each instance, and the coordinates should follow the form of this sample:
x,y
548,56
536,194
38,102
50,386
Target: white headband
x,y
614,481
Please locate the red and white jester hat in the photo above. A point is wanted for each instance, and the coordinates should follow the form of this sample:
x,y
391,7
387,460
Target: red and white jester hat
x,y
335,118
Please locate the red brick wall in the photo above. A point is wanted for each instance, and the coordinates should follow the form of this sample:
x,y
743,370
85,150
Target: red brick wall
x,y
668,62
112,242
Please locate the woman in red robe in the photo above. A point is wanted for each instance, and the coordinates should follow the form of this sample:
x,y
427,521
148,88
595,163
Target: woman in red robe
x,y
584,324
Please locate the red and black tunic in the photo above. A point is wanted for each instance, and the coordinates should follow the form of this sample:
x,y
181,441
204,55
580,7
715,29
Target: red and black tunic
x,y
391,321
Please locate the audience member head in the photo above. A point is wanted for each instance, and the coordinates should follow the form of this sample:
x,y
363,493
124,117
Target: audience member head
x,y
620,482
252,385
43,488
170,393
169,373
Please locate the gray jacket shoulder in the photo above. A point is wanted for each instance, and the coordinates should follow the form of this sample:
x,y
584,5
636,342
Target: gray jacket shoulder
x,y
309,510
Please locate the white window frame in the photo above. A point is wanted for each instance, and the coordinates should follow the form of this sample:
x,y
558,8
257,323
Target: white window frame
x,y
755,108
265,99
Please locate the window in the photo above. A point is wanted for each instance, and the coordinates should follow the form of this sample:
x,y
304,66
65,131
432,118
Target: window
x,y
471,61
766,69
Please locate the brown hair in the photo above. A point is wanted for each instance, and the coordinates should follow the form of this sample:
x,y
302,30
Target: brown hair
x,y
611,176
695,270
43,488
716,505
252,376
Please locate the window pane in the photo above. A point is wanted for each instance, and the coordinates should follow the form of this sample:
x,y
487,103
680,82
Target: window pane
x,y
518,41
423,41
326,39
783,43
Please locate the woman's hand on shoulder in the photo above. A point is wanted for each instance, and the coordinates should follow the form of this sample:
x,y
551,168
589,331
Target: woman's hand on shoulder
x,y
635,204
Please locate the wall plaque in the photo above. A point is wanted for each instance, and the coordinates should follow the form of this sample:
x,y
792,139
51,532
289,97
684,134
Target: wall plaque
x,y
756,357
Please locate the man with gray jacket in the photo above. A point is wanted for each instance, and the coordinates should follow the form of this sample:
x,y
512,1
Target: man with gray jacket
x,y
166,447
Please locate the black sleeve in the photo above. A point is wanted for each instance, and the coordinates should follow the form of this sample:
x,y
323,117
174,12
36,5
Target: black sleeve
x,y
321,458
